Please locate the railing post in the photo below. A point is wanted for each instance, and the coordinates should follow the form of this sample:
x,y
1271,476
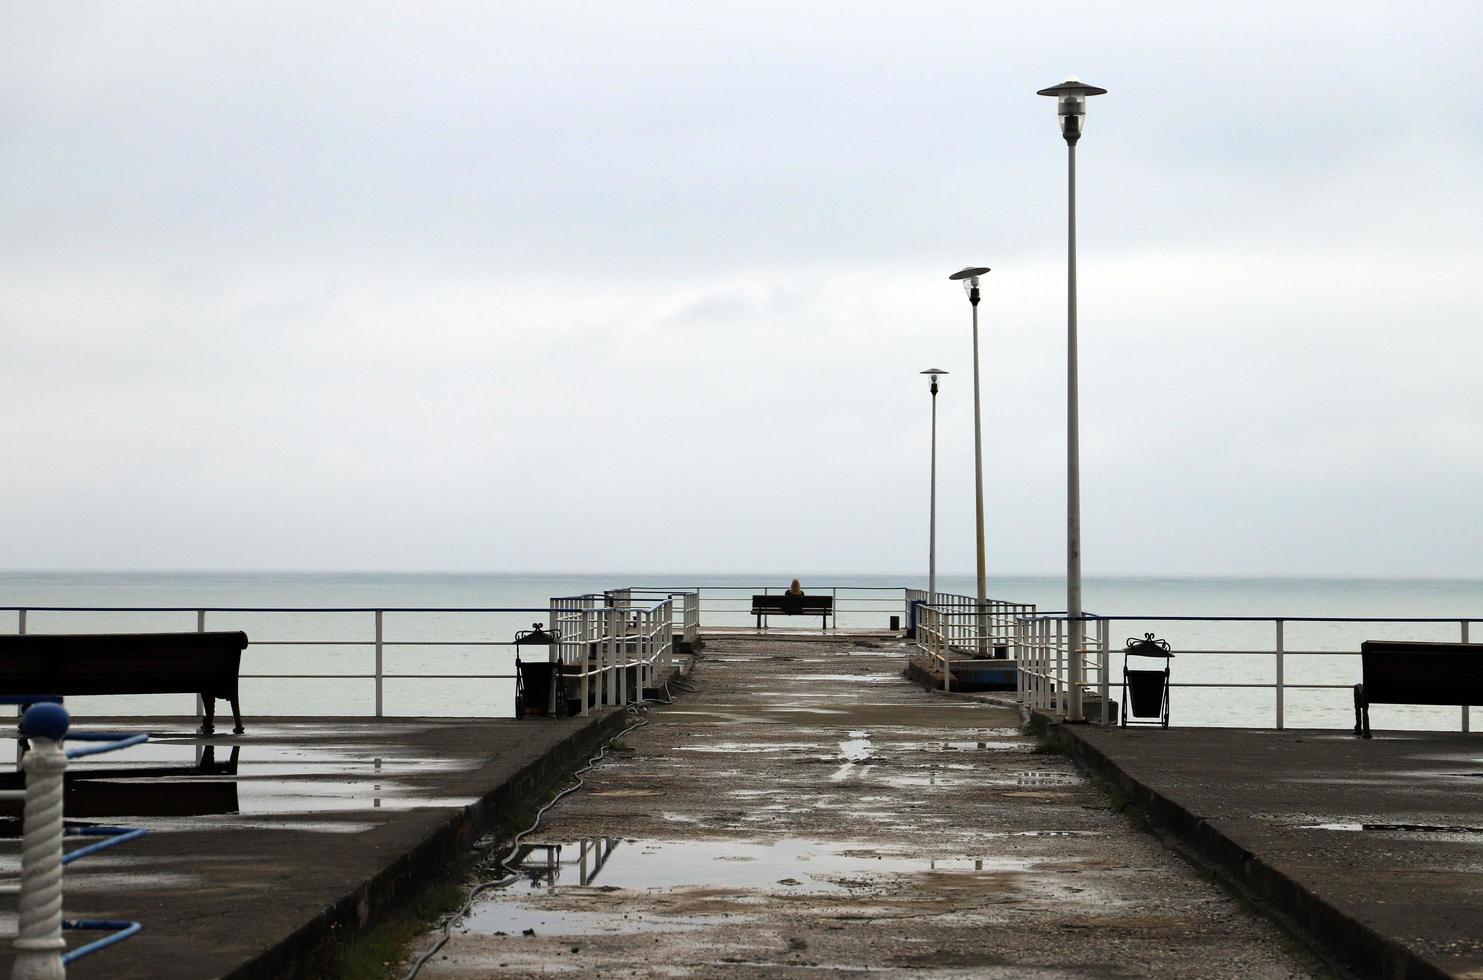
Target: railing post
x,y
1063,631
380,676
584,668
20,627
38,944
624,648
553,658
834,604
1280,689
200,628
1104,687
1466,719
1019,660
946,671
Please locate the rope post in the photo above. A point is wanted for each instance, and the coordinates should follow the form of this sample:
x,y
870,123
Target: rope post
x,y
38,944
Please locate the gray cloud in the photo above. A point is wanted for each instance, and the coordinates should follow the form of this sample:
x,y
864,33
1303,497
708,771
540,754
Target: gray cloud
x,y
547,286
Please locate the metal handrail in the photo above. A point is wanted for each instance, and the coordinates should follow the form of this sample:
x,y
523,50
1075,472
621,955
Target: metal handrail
x,y
1043,663
379,644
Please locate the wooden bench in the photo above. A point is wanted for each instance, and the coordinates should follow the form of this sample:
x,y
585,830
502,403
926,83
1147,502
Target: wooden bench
x,y
1405,672
793,605
126,663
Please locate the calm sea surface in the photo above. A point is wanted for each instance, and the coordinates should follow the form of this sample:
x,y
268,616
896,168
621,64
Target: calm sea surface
x,y
447,680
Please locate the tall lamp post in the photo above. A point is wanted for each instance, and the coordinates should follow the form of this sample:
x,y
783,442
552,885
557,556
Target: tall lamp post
x,y
932,522
969,277
1071,96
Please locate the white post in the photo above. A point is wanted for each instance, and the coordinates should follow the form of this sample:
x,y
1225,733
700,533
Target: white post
x,y
1105,686
978,484
1466,720
947,652
1280,690
200,628
379,674
1073,450
38,944
1062,635
932,520
553,658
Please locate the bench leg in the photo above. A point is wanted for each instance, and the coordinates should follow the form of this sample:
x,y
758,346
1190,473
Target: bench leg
x,y
237,728
1361,712
208,720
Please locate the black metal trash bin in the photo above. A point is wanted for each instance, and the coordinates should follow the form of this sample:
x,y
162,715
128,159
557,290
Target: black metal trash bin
x,y
1146,692
534,694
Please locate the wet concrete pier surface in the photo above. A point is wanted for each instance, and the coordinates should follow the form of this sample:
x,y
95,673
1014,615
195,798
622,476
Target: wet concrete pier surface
x,y
1373,847
264,846
808,811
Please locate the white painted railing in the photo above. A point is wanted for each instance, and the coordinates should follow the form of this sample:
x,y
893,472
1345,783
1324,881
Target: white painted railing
x,y
727,607
948,624
1234,670
610,650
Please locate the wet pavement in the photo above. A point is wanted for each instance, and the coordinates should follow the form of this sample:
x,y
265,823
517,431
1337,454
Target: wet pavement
x,y
1375,845
255,837
807,811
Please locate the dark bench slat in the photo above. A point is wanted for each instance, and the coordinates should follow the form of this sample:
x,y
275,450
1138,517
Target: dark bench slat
x,y
792,605
1411,672
207,664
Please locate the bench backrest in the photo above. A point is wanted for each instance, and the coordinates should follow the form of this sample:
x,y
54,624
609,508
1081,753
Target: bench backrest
x,y
1406,672
122,663
812,604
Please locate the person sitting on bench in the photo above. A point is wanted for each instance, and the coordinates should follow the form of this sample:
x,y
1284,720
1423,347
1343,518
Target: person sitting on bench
x,y
792,599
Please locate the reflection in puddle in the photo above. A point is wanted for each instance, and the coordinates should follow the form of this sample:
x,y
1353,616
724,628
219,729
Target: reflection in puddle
x,y
193,777
857,748
584,870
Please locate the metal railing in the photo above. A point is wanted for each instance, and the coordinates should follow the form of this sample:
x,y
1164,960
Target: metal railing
x,y
1285,655
856,607
948,624
688,614
362,656
612,648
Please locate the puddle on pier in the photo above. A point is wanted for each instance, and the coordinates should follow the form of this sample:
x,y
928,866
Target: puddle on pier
x,y
858,678
1443,831
582,872
1006,740
957,777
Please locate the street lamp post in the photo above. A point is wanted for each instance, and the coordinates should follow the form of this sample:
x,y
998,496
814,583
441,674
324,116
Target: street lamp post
x,y
969,276
932,521
1071,96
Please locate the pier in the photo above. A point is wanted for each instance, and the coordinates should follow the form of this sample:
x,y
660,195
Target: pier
x,y
789,799
807,811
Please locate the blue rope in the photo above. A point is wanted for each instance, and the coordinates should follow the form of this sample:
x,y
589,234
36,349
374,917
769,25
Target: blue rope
x,y
124,927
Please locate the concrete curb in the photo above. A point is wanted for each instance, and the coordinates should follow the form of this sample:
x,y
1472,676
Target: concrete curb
x,y
1351,942
304,950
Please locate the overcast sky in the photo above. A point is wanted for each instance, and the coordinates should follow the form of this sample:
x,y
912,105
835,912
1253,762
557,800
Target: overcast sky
x,y
546,286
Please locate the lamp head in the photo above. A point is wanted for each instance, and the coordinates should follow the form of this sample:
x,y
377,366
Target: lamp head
x,y
934,373
1071,104
969,275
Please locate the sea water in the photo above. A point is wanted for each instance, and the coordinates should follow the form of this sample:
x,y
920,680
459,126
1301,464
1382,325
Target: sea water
x,y
470,672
